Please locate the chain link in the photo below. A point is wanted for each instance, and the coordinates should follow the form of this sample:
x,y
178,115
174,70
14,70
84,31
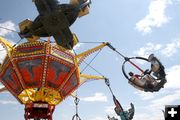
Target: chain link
x,y
76,116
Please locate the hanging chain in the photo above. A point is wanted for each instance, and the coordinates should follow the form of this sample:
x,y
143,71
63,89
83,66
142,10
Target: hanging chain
x,y
118,107
76,116
108,84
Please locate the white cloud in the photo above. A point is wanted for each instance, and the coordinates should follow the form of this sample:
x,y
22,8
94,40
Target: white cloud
x,y
3,53
98,97
9,25
171,48
155,106
173,81
1,86
110,110
8,102
165,100
166,50
148,49
156,16
145,95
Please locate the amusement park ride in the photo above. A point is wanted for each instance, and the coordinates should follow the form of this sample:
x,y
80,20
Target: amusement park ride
x,y
41,74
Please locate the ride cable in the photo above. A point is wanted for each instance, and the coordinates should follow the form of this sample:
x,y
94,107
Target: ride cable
x,y
18,34
118,108
8,29
88,64
14,32
90,61
123,56
76,116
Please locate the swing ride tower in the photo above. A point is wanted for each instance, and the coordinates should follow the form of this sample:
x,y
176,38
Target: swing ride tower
x,y
40,75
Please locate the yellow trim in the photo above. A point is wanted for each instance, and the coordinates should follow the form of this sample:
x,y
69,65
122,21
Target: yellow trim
x,y
80,57
89,77
75,39
83,54
43,94
7,45
92,76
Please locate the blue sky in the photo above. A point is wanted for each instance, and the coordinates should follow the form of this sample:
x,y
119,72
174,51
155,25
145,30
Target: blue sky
x,y
135,28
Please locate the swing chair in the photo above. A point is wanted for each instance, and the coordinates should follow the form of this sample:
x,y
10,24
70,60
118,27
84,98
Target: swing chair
x,y
150,80
124,115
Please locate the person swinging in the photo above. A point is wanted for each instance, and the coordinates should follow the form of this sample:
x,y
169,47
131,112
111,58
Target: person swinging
x,y
150,80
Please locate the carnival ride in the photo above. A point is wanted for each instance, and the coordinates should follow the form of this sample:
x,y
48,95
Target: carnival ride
x,y
41,74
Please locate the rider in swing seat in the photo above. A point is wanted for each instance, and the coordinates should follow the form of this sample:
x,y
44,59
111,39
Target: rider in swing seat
x,y
148,81
144,81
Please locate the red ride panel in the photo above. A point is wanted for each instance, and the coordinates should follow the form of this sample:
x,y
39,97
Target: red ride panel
x,y
70,86
10,80
56,73
31,71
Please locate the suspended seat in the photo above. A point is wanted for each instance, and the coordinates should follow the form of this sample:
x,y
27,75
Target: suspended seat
x,y
150,80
